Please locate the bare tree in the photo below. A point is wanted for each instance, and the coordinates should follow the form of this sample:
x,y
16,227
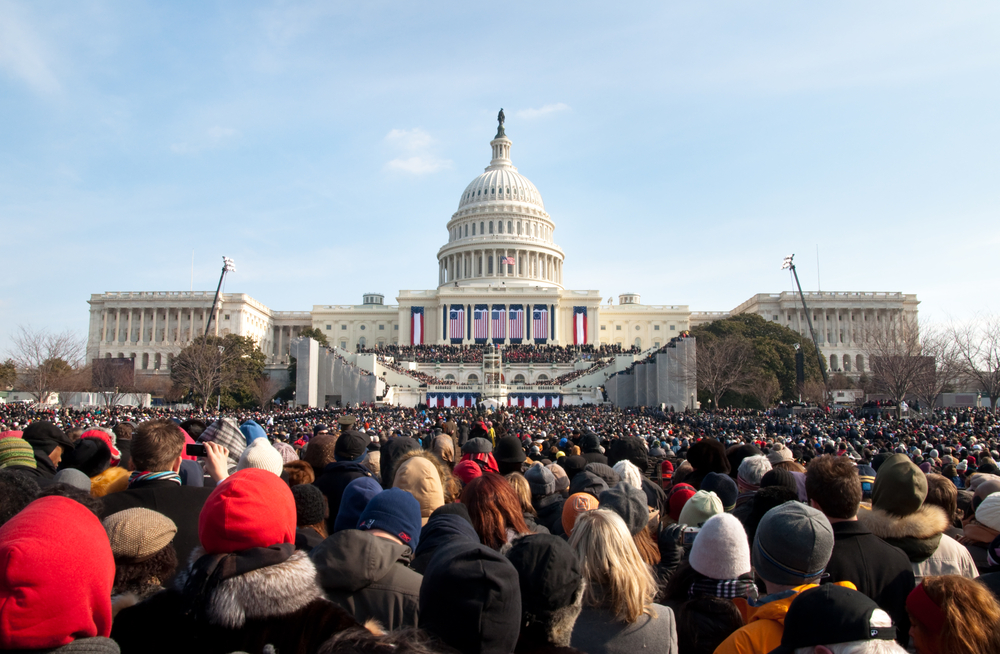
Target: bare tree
x,y
114,378
977,345
8,374
896,358
264,388
723,365
45,360
205,367
765,389
944,370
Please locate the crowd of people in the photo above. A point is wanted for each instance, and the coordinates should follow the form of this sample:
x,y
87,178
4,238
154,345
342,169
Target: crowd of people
x,y
514,353
575,529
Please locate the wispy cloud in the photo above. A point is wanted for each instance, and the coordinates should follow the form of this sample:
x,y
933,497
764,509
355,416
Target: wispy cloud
x,y
544,110
415,143
214,137
23,54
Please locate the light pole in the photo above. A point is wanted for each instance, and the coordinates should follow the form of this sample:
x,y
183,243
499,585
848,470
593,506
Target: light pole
x,y
227,266
789,265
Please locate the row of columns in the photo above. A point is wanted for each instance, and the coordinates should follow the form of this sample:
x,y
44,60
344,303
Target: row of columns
x,y
476,265
842,326
116,323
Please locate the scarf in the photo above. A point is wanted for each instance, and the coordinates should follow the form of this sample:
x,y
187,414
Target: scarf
x,y
166,475
724,588
212,569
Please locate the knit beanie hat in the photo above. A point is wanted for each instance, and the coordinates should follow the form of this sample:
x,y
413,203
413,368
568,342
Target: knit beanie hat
x,y
56,577
549,574
629,473
779,477
109,439
396,512
356,496
310,505
605,472
420,478
752,470
541,481
138,533
73,477
900,487
723,486
559,473
988,513
702,506
287,452
573,465
260,454
575,505
679,496
470,598
16,452
628,502
720,549
251,508
467,471
252,432
587,482
509,450
91,456
793,544
779,454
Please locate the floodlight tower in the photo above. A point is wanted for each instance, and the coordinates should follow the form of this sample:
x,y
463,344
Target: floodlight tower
x,y
789,265
227,266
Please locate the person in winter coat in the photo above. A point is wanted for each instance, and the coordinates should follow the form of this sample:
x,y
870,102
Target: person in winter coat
x,y
523,491
448,524
790,552
49,444
619,615
56,581
428,479
546,501
876,568
551,581
900,517
365,571
470,598
350,452
156,485
245,588
590,448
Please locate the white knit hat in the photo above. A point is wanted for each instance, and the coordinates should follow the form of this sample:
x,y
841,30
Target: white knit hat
x,y
702,506
779,453
988,512
261,454
629,473
721,549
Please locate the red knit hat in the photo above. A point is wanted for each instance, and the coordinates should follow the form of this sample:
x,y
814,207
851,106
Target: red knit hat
x,y
56,576
252,508
678,497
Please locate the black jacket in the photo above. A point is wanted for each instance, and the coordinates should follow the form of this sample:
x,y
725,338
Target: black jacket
x,y
182,504
595,457
335,478
368,577
879,570
550,510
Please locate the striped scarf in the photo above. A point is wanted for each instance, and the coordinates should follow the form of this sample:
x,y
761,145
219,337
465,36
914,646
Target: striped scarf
x,y
724,588
138,477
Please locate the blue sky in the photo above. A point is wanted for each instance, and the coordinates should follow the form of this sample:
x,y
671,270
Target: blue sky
x,y
683,149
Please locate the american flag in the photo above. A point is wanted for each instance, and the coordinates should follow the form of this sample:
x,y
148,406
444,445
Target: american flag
x,y
517,323
479,323
540,323
497,324
456,326
507,261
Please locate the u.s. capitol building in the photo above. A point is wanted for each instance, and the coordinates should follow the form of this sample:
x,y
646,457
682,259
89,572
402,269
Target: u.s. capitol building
x,y
501,280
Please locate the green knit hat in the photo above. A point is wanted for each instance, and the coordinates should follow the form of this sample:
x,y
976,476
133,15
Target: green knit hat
x,y
16,452
900,486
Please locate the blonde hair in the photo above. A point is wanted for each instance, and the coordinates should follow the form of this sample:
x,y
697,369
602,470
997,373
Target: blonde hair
x,y
522,490
617,578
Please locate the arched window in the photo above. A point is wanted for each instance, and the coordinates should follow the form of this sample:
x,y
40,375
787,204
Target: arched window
x,y
543,377
343,345
449,377
509,227
482,229
362,341
859,363
467,230
500,226
519,228
847,363
491,227
638,342
833,362
491,266
473,379
473,229
518,378
480,266
107,356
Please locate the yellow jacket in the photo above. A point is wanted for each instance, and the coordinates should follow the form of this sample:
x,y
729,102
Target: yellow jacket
x,y
764,623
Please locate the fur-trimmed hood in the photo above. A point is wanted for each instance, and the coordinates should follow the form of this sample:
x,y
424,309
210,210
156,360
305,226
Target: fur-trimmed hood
x,y
268,592
927,522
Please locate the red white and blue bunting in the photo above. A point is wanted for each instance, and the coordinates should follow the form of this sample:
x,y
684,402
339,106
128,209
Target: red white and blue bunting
x,y
534,399
445,399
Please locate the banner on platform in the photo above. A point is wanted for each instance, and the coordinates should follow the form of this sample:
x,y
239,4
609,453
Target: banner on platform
x,y
498,323
452,400
546,400
579,325
540,323
416,325
456,323
480,322
516,323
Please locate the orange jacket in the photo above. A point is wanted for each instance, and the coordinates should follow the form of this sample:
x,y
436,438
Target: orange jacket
x,y
764,624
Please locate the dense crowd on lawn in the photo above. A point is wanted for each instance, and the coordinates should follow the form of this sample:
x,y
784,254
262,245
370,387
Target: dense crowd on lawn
x,y
577,529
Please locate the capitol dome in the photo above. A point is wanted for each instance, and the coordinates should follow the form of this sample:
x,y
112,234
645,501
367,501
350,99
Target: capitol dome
x,y
501,231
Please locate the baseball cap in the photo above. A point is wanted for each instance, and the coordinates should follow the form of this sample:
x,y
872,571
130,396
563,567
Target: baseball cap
x,y
830,615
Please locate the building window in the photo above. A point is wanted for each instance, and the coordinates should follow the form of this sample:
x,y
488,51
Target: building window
x,y
500,226
473,229
672,327
226,317
395,328
362,327
618,328
491,227
509,224
656,328
343,327
381,328
604,328
637,328
776,317
467,230
329,326
491,263
343,345
481,230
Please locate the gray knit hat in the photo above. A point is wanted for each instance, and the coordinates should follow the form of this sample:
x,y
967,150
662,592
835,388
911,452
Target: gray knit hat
x,y
628,502
793,545
540,479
